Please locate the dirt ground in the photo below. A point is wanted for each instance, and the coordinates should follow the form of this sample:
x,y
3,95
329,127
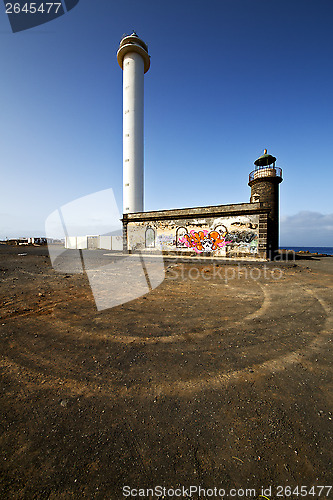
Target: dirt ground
x,y
216,378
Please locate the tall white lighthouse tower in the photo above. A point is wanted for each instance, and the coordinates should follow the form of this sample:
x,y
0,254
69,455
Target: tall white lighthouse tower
x,y
134,60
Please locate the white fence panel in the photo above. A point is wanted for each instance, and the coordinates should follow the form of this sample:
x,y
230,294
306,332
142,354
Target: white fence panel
x,y
105,242
70,242
117,243
81,242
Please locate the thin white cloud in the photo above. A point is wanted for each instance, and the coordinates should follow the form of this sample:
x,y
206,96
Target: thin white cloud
x,y
307,229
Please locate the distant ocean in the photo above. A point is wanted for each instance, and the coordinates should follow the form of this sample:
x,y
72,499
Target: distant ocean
x,y
327,250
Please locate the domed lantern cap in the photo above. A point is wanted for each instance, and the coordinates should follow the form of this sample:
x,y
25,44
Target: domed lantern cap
x,y
132,43
265,160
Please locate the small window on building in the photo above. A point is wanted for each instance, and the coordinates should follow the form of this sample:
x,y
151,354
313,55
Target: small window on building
x,y
255,198
150,238
180,233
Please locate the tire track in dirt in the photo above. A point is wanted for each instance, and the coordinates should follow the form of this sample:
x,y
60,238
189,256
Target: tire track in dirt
x,y
184,388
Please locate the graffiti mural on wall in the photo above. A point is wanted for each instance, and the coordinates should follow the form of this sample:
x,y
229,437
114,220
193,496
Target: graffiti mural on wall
x,y
203,241
243,241
222,236
241,236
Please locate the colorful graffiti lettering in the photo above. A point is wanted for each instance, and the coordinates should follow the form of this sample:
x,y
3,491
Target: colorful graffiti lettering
x,y
203,241
243,241
241,236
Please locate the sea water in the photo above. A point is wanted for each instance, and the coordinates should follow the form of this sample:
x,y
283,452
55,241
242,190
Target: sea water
x,y
326,250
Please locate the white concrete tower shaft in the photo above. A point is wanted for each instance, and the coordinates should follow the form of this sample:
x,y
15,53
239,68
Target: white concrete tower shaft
x,y
134,60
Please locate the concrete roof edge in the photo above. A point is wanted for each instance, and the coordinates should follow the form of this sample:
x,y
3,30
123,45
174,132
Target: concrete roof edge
x,y
181,213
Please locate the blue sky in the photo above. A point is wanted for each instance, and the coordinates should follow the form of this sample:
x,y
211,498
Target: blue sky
x,y
228,78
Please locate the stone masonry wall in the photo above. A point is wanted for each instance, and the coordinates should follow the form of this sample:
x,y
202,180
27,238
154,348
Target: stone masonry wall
x,y
218,236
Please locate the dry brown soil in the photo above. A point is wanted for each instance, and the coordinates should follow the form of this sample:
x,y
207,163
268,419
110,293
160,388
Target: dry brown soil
x,y
210,379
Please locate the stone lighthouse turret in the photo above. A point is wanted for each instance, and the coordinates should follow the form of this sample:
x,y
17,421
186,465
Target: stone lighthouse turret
x,y
264,182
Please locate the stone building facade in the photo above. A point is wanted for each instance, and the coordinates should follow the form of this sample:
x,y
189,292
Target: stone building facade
x,y
242,230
